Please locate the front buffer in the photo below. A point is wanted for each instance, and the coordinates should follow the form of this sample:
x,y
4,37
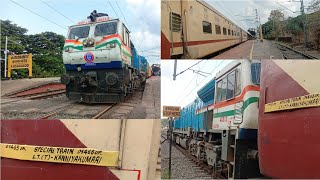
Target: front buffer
x,y
97,83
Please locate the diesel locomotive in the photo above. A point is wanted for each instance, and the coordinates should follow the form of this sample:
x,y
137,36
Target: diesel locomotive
x,y
254,119
102,64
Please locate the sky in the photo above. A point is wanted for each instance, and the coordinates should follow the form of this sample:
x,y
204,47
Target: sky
x,y
144,25
184,89
242,12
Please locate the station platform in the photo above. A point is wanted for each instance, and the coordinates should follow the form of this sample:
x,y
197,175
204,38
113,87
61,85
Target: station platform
x,y
252,49
151,98
13,86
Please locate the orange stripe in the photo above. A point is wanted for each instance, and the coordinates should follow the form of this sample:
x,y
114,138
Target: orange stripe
x,y
72,41
235,100
112,36
239,98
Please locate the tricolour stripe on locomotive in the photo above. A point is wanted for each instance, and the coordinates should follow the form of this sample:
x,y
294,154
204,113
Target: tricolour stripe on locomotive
x,y
102,64
224,128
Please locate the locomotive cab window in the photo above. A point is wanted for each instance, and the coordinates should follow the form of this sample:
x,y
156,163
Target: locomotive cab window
x,y
105,29
125,35
228,87
255,73
79,32
206,26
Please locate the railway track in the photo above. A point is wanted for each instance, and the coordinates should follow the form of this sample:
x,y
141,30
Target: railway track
x,y
290,53
184,165
201,167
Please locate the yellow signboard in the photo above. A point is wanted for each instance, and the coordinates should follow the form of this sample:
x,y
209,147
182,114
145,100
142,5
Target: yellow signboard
x,y
311,100
21,61
171,111
85,156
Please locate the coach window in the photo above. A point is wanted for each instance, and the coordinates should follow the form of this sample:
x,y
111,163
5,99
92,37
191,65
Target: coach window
x,y
175,19
229,32
224,31
218,29
207,28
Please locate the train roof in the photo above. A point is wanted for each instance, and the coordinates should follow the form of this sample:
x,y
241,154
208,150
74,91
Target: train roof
x,y
206,93
101,19
231,65
216,11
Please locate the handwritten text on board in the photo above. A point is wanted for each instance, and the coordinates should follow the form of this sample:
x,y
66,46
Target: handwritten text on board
x,y
311,100
85,156
171,111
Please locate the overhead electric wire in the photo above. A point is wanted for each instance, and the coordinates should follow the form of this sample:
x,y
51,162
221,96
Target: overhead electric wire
x,y
194,76
138,46
57,11
200,82
234,18
113,10
38,14
190,67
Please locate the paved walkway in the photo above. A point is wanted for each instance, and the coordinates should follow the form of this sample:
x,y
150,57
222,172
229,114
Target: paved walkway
x,y
252,49
10,86
151,98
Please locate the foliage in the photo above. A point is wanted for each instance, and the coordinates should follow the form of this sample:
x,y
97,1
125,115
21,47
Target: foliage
x,y
278,26
46,48
314,6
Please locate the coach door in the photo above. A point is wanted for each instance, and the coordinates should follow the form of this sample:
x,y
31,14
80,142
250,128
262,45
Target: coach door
x,y
175,28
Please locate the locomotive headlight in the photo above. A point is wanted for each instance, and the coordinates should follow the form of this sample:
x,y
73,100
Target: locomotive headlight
x,y
79,68
85,42
113,45
67,50
111,78
91,42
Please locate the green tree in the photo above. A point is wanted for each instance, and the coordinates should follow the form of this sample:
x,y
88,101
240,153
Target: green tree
x,y
46,48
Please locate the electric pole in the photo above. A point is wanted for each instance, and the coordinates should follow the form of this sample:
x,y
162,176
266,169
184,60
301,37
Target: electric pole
x,y
5,57
175,69
170,145
304,24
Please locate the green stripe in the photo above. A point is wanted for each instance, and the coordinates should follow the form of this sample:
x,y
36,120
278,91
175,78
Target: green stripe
x,y
250,101
74,47
113,41
232,112
106,43
125,53
222,114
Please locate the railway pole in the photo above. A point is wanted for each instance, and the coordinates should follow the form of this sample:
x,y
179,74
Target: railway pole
x,y
170,145
175,69
304,24
5,57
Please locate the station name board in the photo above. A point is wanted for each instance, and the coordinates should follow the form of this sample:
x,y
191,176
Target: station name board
x,y
20,61
171,111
